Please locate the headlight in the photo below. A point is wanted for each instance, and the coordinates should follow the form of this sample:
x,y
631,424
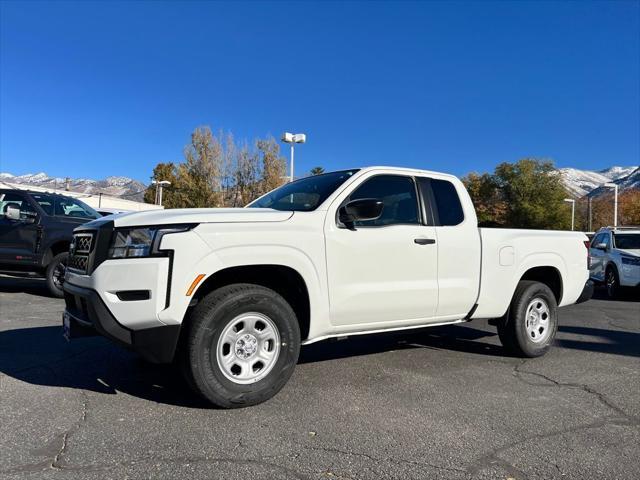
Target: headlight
x,y
141,241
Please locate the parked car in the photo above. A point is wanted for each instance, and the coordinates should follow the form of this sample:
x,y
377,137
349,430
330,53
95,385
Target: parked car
x,y
231,294
615,258
35,232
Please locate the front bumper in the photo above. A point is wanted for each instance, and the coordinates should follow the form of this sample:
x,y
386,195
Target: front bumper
x,y
87,314
587,292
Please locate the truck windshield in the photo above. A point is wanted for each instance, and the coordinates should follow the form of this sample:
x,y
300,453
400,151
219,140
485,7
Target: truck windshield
x,y
627,241
60,206
305,194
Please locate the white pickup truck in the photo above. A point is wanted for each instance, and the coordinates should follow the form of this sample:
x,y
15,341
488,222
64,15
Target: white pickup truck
x,y
232,294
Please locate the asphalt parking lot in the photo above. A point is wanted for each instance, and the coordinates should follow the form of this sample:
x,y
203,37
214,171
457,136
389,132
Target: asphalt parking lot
x,y
436,403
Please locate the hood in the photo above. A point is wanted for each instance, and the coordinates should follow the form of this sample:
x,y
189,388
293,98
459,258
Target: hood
x,y
195,215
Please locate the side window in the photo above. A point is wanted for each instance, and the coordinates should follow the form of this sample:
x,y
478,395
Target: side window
x,y
14,200
596,240
398,194
607,240
448,207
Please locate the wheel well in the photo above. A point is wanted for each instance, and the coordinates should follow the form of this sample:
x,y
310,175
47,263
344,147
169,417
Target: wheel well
x,y
550,276
55,249
284,280
59,247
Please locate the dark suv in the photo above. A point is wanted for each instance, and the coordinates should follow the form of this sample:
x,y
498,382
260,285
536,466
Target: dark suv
x,y
35,233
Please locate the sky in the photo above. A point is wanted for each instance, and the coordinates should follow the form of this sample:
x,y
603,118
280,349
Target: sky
x,y
112,88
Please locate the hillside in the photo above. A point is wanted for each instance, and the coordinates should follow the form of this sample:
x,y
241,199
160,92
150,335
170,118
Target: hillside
x,y
124,187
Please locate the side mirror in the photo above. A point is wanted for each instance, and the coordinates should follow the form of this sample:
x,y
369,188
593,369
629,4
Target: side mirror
x,y
600,246
360,210
12,213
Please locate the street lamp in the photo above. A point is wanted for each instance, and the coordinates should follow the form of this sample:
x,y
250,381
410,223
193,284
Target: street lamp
x,y
573,210
615,202
159,186
293,138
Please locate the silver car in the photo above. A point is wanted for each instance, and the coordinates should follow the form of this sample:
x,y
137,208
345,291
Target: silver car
x,y
614,258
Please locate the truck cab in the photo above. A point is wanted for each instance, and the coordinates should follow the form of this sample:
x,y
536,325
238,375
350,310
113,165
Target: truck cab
x,y
35,233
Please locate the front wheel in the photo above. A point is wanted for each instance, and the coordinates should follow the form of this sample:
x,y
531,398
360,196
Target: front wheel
x,y
529,327
241,345
54,275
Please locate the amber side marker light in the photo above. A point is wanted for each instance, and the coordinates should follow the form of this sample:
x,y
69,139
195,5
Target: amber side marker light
x,y
194,284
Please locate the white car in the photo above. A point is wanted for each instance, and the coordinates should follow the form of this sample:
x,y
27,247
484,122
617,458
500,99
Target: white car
x,y
232,294
615,258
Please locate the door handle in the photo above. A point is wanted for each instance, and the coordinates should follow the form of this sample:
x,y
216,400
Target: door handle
x,y
424,241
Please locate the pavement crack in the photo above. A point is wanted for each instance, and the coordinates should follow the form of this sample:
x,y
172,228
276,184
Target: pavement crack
x,y
56,462
520,373
390,459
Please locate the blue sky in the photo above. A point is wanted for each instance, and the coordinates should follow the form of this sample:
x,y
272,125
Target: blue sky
x,y
98,89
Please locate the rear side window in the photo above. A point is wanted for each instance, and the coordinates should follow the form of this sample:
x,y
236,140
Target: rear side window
x,y
597,239
399,196
448,206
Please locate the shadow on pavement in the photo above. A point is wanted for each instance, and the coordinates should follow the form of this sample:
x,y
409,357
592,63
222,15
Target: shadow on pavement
x,y
41,356
617,342
624,295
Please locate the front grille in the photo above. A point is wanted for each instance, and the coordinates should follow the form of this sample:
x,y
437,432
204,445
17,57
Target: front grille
x,y
83,242
78,262
79,252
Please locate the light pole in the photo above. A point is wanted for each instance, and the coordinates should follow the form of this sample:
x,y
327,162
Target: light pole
x,y
159,185
615,202
293,138
573,210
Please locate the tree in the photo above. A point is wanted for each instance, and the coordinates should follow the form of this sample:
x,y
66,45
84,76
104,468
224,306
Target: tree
x,y
199,176
534,195
316,171
274,167
487,198
525,194
163,171
630,207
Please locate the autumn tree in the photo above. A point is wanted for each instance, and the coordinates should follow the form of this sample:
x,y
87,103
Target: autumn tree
x,y
274,167
629,205
487,198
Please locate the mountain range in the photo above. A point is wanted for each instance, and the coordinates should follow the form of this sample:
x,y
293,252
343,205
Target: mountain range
x,y
578,182
124,187
582,183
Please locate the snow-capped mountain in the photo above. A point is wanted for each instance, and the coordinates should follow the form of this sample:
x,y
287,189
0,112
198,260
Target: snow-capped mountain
x,y
587,182
114,186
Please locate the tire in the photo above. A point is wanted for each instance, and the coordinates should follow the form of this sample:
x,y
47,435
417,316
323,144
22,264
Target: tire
x,y
530,325
54,274
240,345
612,282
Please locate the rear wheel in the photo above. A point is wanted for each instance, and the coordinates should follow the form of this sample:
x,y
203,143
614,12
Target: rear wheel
x,y
241,345
612,282
529,327
54,274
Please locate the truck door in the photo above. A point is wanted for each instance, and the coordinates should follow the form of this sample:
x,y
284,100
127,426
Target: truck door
x,y
458,239
383,272
17,237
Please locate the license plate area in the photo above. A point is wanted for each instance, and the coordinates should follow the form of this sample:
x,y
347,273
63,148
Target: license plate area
x,y
73,328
